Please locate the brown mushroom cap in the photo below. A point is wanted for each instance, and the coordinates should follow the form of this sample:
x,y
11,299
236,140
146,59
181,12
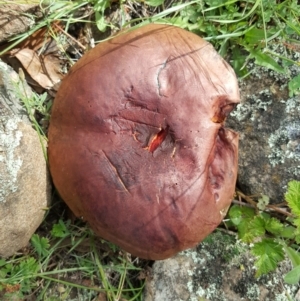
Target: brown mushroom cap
x,y
137,144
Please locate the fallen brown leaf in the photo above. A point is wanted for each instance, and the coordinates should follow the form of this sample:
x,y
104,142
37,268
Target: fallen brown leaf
x,y
39,38
101,297
44,70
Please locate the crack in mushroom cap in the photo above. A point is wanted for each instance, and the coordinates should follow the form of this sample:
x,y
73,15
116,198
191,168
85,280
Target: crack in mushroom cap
x,y
137,143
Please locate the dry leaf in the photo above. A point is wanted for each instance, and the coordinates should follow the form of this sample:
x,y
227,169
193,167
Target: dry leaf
x,y
43,70
101,297
52,67
39,38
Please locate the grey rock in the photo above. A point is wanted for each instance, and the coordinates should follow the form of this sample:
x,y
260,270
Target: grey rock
x,y
219,269
16,19
24,178
268,120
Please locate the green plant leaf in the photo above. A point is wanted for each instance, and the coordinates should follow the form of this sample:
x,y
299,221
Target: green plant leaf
x,y
3,273
274,226
293,255
239,213
231,20
293,277
154,2
291,28
257,226
287,232
263,202
265,60
297,233
293,197
2,262
24,272
100,21
238,61
294,86
241,217
29,266
254,35
257,36
60,229
268,253
99,8
40,244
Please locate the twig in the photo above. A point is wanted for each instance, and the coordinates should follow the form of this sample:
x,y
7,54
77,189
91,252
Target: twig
x,y
242,204
233,233
247,198
69,36
275,208
272,207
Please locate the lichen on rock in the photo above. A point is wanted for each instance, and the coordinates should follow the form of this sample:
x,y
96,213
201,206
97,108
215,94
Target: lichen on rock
x,y
268,122
10,138
221,268
24,178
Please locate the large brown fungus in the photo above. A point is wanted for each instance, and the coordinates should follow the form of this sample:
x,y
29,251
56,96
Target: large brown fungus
x,y
137,144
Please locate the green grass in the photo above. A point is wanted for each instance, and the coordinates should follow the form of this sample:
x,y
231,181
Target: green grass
x,y
65,261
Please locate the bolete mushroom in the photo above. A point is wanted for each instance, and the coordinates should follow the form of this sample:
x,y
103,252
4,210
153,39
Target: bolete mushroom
x,y
137,144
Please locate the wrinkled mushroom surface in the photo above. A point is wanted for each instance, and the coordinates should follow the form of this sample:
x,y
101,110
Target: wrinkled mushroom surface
x,y
137,144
